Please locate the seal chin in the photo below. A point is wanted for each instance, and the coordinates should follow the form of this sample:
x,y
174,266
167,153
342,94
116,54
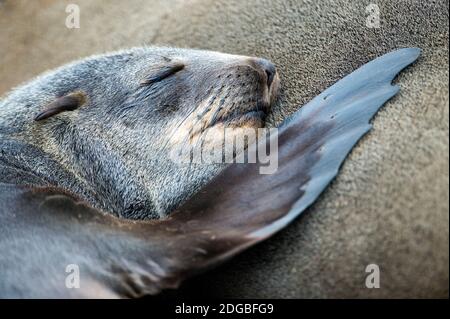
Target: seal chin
x,y
274,89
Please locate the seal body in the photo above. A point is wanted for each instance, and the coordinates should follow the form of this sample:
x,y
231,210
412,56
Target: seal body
x,y
110,145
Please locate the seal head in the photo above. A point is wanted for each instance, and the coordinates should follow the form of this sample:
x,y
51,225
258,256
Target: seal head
x,y
104,126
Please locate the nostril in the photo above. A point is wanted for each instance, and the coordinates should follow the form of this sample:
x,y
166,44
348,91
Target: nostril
x,y
269,68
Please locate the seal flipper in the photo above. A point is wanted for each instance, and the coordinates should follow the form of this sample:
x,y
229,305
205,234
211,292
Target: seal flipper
x,y
343,111
43,231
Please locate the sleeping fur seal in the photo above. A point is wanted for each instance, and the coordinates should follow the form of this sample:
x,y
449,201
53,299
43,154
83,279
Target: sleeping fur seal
x,y
101,127
44,230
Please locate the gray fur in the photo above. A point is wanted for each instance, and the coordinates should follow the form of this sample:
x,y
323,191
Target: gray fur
x,y
113,150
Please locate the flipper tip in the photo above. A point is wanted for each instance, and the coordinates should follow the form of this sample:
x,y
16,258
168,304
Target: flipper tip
x,y
413,53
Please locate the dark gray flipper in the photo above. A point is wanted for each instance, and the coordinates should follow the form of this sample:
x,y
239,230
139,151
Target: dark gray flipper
x,y
346,109
42,230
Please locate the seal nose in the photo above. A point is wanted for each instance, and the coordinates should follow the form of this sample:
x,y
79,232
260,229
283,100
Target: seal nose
x,y
268,67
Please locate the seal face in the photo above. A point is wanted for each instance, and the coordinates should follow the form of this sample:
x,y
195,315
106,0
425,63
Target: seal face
x,y
111,149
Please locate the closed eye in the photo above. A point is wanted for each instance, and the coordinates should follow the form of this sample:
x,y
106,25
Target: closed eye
x,y
162,73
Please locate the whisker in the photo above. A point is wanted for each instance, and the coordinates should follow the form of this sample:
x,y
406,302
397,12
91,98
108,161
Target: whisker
x,y
212,99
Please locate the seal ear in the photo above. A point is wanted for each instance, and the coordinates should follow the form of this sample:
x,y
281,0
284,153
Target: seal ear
x,y
68,102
